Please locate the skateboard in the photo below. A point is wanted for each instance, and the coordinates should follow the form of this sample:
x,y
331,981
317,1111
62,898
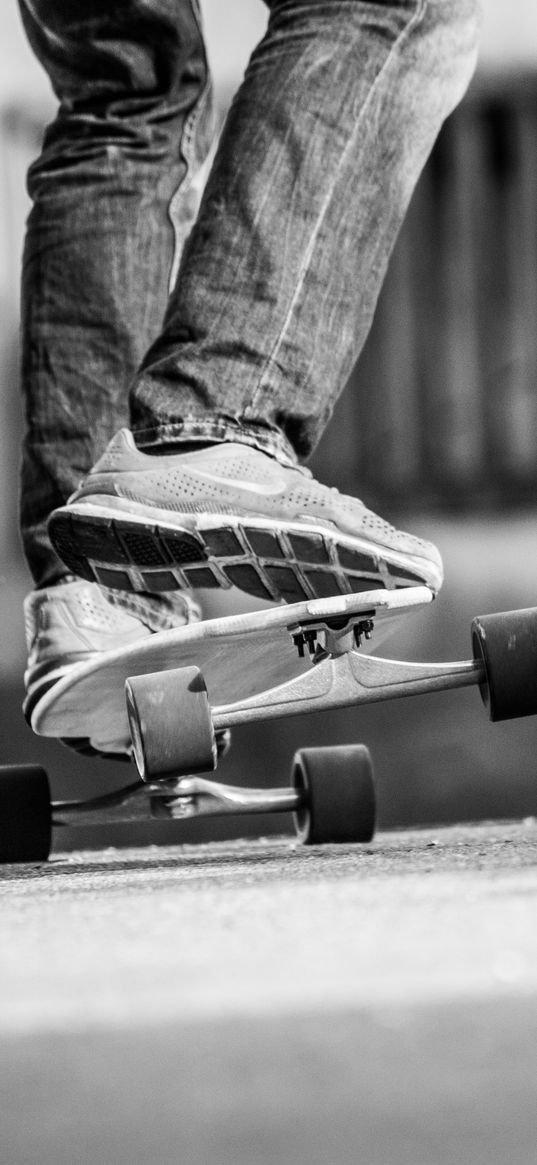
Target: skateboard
x,y
171,700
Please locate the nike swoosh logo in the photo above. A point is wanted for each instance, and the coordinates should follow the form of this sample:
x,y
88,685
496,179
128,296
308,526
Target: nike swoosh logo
x,y
237,483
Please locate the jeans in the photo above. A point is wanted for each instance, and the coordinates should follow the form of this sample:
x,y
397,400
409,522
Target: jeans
x,y
240,318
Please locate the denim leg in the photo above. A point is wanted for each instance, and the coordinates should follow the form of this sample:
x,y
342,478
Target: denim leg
x,y
114,195
339,109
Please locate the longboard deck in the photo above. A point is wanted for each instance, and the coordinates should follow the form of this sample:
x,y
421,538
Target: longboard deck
x,y
238,655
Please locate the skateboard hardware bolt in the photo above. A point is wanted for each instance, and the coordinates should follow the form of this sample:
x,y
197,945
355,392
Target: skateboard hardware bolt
x,y
363,630
305,639
340,634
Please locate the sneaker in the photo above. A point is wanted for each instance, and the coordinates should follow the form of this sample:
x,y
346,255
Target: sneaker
x,y
229,515
75,621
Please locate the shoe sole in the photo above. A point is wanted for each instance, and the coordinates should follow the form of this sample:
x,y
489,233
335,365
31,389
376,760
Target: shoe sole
x,y
273,562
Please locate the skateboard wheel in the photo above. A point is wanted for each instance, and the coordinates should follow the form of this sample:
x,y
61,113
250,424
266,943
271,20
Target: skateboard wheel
x,y
506,644
25,814
340,794
171,724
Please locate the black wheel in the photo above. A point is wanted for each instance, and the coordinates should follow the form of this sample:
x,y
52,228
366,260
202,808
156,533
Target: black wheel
x,y
171,724
506,644
25,814
339,792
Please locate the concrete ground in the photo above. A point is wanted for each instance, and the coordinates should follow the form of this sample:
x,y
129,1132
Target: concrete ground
x,y
247,1003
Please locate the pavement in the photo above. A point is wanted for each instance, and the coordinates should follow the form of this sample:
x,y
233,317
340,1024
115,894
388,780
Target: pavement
x,y
253,1002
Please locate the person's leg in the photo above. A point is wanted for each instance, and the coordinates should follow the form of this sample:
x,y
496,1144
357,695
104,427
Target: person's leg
x,y
326,138
115,193
114,197
339,109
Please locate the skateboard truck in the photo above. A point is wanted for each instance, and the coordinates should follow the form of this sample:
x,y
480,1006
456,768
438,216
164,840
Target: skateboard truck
x,y
173,725
175,800
331,797
340,635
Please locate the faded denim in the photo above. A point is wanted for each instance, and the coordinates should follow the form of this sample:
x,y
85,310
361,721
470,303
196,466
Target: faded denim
x,y
246,324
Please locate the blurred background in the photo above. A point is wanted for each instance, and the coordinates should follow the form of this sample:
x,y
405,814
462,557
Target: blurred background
x,y
437,429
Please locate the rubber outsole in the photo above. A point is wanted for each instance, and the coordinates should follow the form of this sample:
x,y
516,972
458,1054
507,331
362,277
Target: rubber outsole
x,y
287,563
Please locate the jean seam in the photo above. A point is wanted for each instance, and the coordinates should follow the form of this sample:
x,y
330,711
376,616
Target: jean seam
x,y
187,183
220,429
413,23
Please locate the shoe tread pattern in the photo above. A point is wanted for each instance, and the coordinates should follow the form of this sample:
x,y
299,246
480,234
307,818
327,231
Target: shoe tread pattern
x,y
288,564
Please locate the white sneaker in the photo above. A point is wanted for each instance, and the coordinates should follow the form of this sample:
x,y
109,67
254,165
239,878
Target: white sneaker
x,y
229,515
75,621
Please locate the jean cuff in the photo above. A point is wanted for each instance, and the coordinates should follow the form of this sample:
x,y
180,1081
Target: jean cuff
x,y
215,431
